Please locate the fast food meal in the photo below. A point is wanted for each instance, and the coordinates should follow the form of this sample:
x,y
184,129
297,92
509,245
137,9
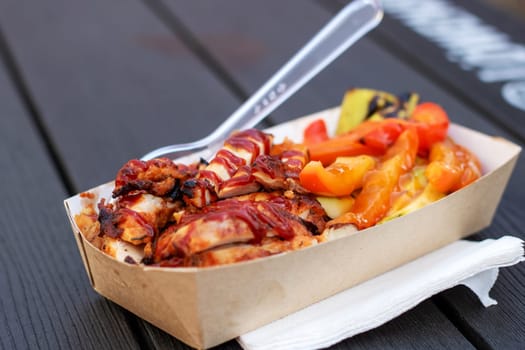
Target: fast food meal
x,y
390,155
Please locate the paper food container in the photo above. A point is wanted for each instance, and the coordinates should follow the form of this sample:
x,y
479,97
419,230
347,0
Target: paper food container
x,y
204,307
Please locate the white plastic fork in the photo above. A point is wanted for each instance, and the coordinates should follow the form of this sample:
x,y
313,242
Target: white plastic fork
x,y
349,25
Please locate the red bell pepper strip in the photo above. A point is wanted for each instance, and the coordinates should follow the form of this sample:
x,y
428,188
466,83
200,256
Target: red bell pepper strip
x,y
383,133
369,138
375,137
432,123
315,132
406,146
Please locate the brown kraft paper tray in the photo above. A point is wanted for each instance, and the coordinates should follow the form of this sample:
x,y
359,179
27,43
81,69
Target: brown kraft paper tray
x,y
204,307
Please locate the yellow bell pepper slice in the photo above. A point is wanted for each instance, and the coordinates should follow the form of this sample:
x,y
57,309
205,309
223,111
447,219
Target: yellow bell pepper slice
x,y
338,179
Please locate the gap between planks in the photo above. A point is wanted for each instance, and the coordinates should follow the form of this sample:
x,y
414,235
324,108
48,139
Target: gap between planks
x,y
175,25
15,74
21,88
441,303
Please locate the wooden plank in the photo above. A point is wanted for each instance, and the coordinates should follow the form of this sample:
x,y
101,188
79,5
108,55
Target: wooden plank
x,y
110,81
45,299
483,78
500,326
266,38
367,64
411,330
161,340
496,327
84,173
276,42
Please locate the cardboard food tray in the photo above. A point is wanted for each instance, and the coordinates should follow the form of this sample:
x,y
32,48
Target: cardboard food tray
x,y
204,307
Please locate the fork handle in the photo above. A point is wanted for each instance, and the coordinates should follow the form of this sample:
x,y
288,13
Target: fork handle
x,y
349,25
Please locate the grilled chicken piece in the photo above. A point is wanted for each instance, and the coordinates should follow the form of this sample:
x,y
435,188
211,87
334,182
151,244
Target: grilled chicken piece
x,y
269,172
226,255
280,170
147,223
234,253
159,177
88,224
202,234
277,172
121,250
244,165
239,150
228,221
294,157
243,182
274,245
303,206
135,218
219,256
199,192
248,144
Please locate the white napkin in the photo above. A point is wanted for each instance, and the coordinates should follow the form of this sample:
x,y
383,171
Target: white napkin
x,y
377,301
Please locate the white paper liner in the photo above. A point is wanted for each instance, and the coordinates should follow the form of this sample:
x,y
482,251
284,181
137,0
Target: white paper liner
x,y
371,304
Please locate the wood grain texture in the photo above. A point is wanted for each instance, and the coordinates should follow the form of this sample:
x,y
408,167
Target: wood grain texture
x,y
110,81
434,61
367,64
252,40
45,298
422,326
158,339
499,327
219,21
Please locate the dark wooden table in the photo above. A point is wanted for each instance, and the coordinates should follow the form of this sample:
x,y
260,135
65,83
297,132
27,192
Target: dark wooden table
x,y
87,85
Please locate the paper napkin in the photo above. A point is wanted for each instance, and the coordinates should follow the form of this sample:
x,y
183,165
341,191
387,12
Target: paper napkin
x,y
377,301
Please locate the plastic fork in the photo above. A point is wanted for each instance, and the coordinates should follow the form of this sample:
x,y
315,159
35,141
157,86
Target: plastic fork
x,y
349,25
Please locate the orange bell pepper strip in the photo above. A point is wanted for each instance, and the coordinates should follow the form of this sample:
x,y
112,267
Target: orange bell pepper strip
x,y
340,178
374,200
315,132
432,123
451,167
443,171
327,152
407,147
383,133
471,167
